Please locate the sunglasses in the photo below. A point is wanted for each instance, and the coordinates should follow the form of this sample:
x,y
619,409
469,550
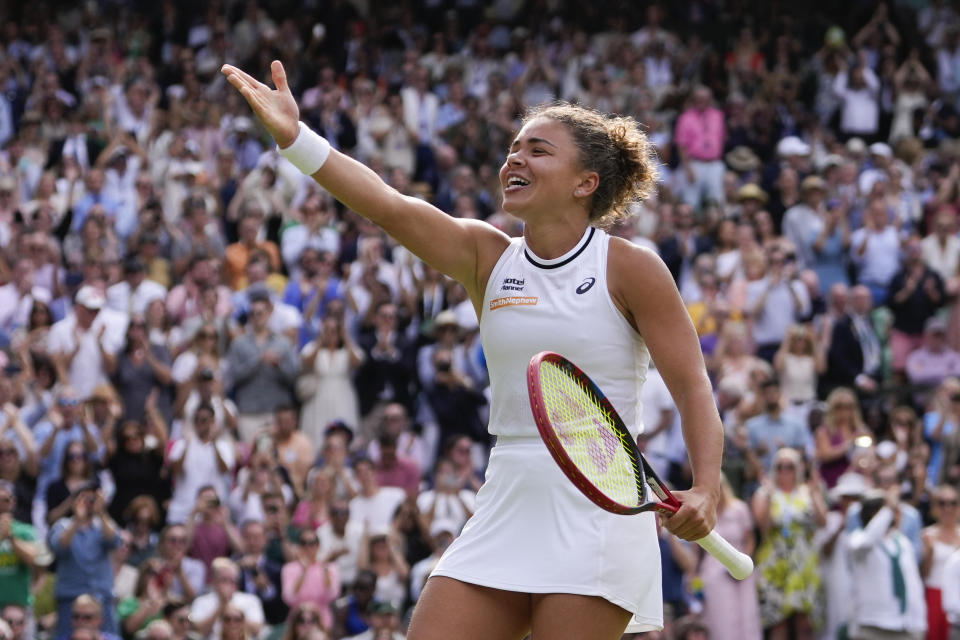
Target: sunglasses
x,y
8,452
233,618
308,620
84,616
76,456
310,543
68,402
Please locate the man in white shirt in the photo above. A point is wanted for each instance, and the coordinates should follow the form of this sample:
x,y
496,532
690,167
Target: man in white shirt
x,y
875,249
374,505
18,295
888,599
133,293
340,539
207,610
201,458
659,420
79,341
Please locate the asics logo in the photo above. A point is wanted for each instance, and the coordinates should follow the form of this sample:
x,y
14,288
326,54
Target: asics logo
x,y
583,288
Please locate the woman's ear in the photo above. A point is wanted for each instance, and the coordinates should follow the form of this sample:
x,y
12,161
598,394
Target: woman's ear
x,y
589,182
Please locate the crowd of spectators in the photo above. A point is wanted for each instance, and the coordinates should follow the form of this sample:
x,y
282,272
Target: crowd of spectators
x,y
232,408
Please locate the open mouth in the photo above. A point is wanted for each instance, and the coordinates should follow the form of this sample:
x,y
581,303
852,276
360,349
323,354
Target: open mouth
x,y
515,183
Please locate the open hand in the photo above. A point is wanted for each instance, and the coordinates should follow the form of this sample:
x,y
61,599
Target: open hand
x,y
275,108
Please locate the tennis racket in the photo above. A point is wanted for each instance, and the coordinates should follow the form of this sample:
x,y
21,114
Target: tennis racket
x,y
595,450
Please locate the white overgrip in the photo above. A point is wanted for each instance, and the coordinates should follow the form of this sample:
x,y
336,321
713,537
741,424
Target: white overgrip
x,y
739,564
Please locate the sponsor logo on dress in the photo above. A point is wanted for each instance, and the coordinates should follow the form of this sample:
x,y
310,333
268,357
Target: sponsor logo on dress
x,y
512,284
583,288
513,301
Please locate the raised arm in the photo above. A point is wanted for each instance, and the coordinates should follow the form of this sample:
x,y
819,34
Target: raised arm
x,y
463,249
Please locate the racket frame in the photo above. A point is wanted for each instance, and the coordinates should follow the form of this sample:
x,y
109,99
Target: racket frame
x,y
644,474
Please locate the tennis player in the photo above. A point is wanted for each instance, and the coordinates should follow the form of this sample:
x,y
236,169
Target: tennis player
x,y
538,556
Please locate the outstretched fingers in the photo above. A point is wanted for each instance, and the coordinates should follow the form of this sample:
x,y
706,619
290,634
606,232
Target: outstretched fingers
x,y
279,76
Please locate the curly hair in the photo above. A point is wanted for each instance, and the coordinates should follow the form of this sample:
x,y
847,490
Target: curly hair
x,y
614,147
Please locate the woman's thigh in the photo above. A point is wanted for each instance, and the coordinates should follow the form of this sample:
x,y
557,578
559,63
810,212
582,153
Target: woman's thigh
x,y
448,608
566,615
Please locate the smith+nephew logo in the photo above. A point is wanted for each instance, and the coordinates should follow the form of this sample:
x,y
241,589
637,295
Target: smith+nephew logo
x,y
586,285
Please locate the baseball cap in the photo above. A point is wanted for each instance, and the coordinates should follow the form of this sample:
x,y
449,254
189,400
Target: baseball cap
x,y
90,297
881,149
792,146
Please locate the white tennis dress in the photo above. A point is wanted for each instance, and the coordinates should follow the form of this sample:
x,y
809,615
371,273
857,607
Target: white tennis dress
x,y
533,531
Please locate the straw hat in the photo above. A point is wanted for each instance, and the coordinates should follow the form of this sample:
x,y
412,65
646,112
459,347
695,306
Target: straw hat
x,y
750,191
742,159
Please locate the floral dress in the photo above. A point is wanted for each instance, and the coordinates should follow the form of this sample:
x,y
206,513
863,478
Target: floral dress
x,y
788,579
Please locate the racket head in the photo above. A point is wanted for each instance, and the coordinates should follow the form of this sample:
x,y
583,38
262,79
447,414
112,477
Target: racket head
x,y
588,440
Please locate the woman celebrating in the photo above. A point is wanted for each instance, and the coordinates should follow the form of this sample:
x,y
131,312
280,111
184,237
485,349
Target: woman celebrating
x,y
834,439
309,579
939,541
76,473
798,362
325,387
788,513
568,171
314,509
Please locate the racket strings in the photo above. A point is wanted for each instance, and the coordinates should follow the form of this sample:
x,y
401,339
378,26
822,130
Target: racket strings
x,y
588,435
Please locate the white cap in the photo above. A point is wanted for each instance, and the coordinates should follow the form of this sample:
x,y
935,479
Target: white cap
x,y
242,123
850,485
90,297
881,149
792,146
441,525
856,145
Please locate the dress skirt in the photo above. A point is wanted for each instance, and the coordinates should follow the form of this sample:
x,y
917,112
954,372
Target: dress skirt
x,y
534,532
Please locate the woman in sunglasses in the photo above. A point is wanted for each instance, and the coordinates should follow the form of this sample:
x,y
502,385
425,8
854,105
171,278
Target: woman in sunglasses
x,y
304,623
310,579
76,473
788,512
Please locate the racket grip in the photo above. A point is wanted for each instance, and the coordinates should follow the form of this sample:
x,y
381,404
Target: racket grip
x,y
739,564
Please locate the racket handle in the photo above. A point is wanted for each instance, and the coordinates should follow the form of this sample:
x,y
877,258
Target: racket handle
x,y
740,565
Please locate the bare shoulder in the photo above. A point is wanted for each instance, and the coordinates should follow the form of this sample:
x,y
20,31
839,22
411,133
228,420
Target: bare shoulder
x,y
635,272
490,242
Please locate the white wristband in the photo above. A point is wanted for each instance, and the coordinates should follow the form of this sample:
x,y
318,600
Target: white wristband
x,y
308,152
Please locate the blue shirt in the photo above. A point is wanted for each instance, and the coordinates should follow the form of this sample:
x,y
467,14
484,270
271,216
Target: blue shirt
x,y
930,420
84,566
774,433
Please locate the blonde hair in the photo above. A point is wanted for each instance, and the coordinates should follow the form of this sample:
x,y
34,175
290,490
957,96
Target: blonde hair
x,y
838,395
786,454
614,147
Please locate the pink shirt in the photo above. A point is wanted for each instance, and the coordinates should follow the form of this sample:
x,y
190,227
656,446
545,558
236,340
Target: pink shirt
x,y
700,134
405,475
321,587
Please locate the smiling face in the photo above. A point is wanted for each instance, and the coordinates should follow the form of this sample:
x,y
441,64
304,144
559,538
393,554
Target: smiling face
x,y
542,171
